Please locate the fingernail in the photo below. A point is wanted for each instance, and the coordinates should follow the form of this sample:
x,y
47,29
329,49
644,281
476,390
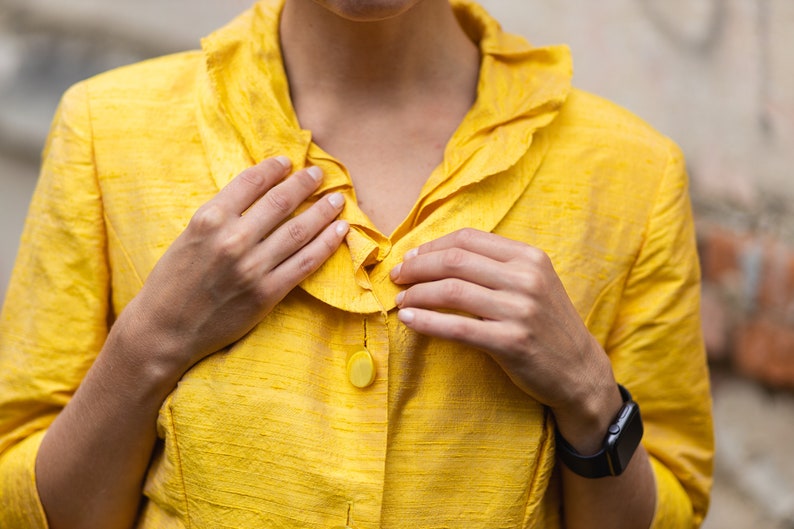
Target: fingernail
x,y
395,272
411,253
284,161
342,227
406,315
336,200
315,172
400,297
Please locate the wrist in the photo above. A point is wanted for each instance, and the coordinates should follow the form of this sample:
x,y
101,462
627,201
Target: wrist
x,y
617,448
143,357
586,426
584,420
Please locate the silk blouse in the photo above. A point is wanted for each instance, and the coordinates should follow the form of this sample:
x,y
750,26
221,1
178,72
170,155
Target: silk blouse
x,y
270,432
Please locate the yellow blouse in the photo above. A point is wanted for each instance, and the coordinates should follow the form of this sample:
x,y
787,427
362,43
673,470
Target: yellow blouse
x,y
270,432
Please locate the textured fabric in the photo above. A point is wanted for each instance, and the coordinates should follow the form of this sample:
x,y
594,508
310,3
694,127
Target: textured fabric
x,y
269,432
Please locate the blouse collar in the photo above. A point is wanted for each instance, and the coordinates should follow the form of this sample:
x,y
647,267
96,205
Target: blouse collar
x,y
246,115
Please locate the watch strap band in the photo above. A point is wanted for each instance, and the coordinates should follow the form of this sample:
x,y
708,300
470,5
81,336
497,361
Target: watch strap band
x,y
593,466
597,465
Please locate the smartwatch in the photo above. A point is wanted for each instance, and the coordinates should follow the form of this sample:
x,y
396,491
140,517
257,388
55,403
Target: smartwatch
x,y
622,439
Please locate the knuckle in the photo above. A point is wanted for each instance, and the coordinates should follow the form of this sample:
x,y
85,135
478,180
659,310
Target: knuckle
x,y
231,247
247,273
453,259
454,291
526,311
264,295
253,177
278,199
531,282
207,219
307,264
519,338
465,234
536,256
297,232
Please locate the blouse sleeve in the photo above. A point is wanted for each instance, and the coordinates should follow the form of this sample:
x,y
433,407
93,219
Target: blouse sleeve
x,y
55,316
657,352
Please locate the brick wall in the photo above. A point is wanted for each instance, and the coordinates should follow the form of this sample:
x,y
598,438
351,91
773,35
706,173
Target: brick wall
x,y
748,303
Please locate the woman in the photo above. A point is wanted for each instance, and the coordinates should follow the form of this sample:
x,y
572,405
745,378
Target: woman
x,y
466,260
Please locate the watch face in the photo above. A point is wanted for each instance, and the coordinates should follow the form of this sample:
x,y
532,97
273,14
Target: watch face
x,y
624,437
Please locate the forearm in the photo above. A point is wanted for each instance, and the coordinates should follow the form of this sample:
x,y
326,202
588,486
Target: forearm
x,y
238,258
92,462
626,501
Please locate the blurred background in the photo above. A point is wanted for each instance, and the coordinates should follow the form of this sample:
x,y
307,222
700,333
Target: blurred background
x,y
715,75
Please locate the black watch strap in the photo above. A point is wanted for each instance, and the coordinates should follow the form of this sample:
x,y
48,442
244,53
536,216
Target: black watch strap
x,y
623,437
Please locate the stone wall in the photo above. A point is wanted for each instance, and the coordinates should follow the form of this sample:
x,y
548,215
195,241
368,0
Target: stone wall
x,y
716,75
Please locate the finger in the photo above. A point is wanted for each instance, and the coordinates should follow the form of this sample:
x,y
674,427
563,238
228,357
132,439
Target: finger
x,y
309,258
461,296
454,263
455,327
279,202
483,243
249,186
299,231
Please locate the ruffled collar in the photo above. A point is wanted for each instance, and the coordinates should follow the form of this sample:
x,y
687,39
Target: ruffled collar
x,y
246,115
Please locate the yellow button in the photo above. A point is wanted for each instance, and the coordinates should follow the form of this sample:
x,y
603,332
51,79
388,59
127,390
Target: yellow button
x,y
361,369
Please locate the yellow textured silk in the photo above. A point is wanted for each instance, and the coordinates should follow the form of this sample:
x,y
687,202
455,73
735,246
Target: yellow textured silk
x,y
270,432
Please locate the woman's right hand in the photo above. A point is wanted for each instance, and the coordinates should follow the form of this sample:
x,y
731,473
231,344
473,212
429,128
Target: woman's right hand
x,y
238,257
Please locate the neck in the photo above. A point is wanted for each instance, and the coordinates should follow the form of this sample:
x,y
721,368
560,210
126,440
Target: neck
x,y
422,48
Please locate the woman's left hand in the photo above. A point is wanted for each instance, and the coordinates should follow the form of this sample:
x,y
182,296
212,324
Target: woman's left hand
x,y
508,301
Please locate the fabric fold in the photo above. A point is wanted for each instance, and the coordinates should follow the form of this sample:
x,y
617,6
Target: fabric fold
x,y
247,115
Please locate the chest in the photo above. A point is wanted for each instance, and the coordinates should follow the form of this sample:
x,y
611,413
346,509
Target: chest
x,y
388,173
389,155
